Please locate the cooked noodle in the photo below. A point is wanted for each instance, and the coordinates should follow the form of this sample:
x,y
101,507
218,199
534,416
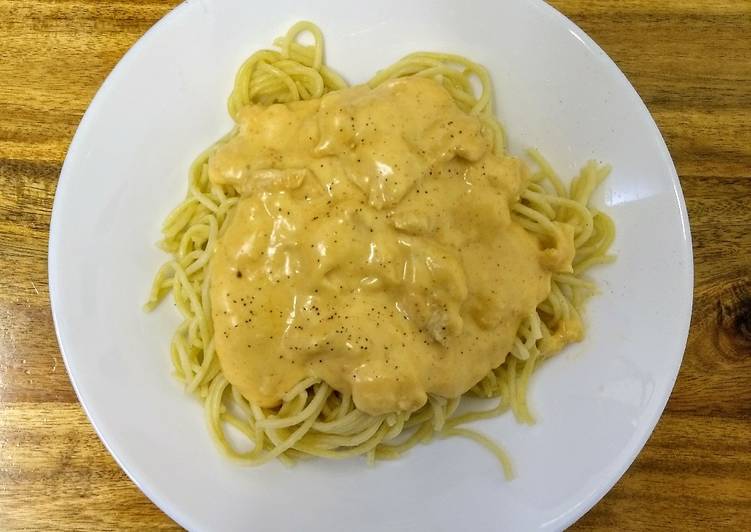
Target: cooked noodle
x,y
314,419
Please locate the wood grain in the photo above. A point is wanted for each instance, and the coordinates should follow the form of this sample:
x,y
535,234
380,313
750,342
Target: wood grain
x,y
690,60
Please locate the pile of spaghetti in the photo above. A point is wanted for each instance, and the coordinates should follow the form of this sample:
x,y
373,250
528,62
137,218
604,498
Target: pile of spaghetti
x,y
314,419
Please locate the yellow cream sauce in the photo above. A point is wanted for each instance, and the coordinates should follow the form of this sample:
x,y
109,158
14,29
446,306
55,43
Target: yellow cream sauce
x,y
372,248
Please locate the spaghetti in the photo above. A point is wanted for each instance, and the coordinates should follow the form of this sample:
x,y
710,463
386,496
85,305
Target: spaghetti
x,y
313,418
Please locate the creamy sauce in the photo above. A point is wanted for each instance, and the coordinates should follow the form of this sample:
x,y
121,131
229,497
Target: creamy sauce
x,y
373,248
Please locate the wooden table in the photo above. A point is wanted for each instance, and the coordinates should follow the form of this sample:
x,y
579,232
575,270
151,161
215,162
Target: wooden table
x,y
689,59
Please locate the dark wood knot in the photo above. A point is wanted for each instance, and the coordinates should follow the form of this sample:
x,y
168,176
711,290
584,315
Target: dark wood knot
x,y
734,323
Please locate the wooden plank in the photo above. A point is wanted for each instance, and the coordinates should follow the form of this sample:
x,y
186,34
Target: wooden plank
x,y
56,474
690,60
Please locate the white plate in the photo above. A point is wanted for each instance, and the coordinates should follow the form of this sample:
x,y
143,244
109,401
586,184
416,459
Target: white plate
x,y
597,402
